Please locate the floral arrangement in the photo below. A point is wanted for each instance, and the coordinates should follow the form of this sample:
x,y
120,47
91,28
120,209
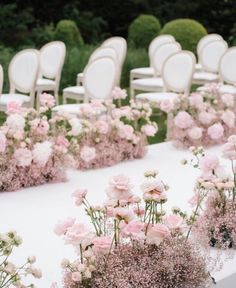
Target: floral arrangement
x,y
214,200
204,118
10,274
28,154
105,134
131,244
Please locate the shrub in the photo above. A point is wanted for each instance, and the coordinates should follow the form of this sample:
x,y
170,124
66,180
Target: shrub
x,y
43,34
142,30
186,31
68,32
6,55
232,38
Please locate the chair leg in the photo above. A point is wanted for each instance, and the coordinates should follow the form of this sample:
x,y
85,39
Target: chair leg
x,y
64,99
38,93
132,93
56,97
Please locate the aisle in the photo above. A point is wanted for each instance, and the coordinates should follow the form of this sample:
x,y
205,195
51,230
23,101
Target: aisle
x,y
33,212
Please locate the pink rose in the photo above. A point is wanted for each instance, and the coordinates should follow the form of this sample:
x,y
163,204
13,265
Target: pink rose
x,y
149,130
195,133
3,142
123,214
209,163
13,107
102,126
62,226
173,221
47,100
166,105
78,234
157,233
119,188
133,229
205,117
79,195
196,100
183,120
119,93
126,132
23,157
228,118
102,245
76,276
62,141
228,99
87,153
216,131
41,127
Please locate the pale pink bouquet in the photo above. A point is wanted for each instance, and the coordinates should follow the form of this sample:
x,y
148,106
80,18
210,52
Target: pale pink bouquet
x,y
131,241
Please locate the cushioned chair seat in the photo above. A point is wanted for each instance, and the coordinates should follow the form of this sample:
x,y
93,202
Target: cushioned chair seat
x,y
7,98
142,72
156,97
205,76
74,90
228,89
45,82
147,84
68,108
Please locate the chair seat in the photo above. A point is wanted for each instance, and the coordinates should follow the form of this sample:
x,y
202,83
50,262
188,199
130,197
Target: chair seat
x,y
156,97
205,76
147,84
74,90
227,89
198,67
45,82
142,72
7,98
68,108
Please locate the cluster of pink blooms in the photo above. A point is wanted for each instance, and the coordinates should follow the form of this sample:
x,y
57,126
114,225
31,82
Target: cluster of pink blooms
x,y
201,119
127,237
28,155
215,193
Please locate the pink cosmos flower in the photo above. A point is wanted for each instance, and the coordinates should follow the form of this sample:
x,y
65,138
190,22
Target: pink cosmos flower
x,y
87,153
119,93
62,141
13,107
215,131
173,221
62,226
23,157
79,195
47,100
228,118
102,245
166,105
209,163
102,126
157,233
195,133
183,120
119,188
3,142
78,234
149,130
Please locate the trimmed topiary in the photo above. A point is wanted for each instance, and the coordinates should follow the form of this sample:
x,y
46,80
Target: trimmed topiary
x,y
142,30
68,32
186,31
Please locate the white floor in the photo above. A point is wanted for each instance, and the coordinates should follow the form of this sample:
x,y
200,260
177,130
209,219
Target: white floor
x,y
33,212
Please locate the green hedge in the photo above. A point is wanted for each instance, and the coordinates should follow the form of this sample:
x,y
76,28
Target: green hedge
x,y
186,31
142,30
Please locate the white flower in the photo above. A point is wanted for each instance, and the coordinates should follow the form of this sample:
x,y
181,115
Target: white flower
x,y
42,152
23,157
76,126
15,122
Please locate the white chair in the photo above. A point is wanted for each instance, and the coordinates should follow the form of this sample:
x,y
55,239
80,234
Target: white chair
x,y
77,92
99,81
155,84
210,56
147,72
52,57
177,76
23,73
120,45
203,41
99,52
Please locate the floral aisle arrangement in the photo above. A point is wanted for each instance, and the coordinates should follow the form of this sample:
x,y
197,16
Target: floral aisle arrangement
x,y
11,276
28,154
106,134
132,244
215,198
201,119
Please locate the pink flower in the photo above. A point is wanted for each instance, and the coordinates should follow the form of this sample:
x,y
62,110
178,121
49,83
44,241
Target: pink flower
x,y
133,229
76,276
149,130
79,196
193,201
119,188
209,163
102,126
13,107
123,214
139,211
195,133
173,221
62,226
196,100
126,132
205,117
228,100
62,141
23,157
229,149
78,234
3,142
216,131
102,245
119,93
166,105
40,126
183,120
47,100
153,190
228,118
87,153
42,152
157,233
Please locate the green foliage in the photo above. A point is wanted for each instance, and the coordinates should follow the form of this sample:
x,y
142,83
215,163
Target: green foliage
x,y
142,30
232,38
68,32
42,34
186,31
6,55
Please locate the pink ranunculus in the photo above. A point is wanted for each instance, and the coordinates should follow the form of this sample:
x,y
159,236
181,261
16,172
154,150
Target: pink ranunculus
x,y
196,100
153,190
232,139
3,142
79,195
215,131
205,118
149,130
42,128
193,200
119,188
228,99
119,93
62,226
88,154
228,118
139,211
102,126
76,277
78,234
23,157
62,141
183,120
13,107
209,163
133,229
126,132
229,151
102,245
47,100
123,214
195,133
173,221
157,233
166,105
